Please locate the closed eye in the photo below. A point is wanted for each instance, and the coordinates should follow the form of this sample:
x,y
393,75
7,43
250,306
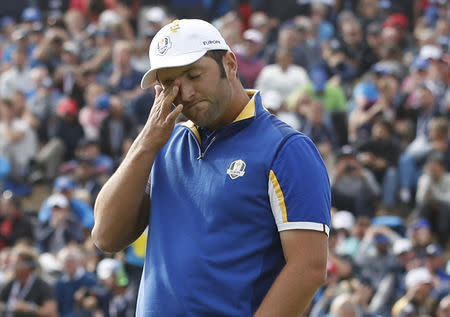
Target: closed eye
x,y
192,77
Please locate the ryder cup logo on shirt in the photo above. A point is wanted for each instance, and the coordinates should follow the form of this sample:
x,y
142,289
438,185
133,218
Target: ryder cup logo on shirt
x,y
163,45
236,169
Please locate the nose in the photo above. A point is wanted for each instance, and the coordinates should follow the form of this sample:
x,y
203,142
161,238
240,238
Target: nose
x,y
186,92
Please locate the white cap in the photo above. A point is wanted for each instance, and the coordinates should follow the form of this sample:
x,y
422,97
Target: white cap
x,y
254,36
58,200
343,219
430,51
401,246
49,263
109,18
417,276
156,15
181,43
71,47
107,267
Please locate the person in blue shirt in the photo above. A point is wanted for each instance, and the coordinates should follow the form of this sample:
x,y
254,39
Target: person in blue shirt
x,y
236,201
82,210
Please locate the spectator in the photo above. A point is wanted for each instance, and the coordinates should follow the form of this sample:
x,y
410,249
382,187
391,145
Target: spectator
x,y
18,100
289,39
83,211
367,107
335,62
139,59
17,77
61,229
319,132
414,156
375,258
435,263
67,128
124,80
15,226
115,129
93,113
420,234
68,74
329,93
249,62
27,294
284,76
42,101
380,153
89,169
418,288
110,297
49,50
433,196
354,187
74,278
18,142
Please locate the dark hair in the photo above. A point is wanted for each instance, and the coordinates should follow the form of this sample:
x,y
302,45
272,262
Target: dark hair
x,y
218,55
386,124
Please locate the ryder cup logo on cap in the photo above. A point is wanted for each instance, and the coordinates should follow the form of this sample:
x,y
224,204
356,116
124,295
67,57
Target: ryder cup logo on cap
x,y
181,43
163,45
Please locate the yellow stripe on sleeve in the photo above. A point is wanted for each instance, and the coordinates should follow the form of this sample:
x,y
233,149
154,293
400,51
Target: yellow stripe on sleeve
x,y
279,193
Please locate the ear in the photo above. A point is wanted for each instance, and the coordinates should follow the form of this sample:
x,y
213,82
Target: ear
x,y
230,65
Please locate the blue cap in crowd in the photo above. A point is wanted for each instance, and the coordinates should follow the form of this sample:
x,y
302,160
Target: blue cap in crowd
x,y
63,183
380,238
367,90
102,102
6,20
420,223
31,14
420,63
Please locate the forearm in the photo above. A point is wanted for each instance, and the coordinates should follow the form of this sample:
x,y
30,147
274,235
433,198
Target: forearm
x,y
117,211
291,292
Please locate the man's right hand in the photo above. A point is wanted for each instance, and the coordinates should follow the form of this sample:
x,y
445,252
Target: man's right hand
x,y
162,118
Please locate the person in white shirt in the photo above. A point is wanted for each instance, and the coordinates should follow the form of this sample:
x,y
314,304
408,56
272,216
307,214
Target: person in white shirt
x,y
18,77
284,76
18,141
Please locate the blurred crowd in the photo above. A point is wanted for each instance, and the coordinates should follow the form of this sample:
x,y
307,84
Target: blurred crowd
x,y
367,81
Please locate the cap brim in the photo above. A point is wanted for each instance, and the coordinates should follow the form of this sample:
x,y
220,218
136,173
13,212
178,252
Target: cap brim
x,y
149,77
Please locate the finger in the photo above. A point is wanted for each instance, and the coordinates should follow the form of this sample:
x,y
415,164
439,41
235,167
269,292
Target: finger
x,y
158,90
174,114
166,106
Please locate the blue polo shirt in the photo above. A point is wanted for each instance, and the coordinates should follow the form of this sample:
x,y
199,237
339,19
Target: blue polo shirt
x,y
216,211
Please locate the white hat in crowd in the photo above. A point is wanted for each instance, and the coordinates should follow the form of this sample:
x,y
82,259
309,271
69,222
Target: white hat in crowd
x,y
272,99
107,267
109,18
430,52
58,200
402,246
417,276
253,36
181,43
156,15
343,219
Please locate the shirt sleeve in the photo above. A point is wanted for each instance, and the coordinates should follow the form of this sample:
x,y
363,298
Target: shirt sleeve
x,y
299,187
